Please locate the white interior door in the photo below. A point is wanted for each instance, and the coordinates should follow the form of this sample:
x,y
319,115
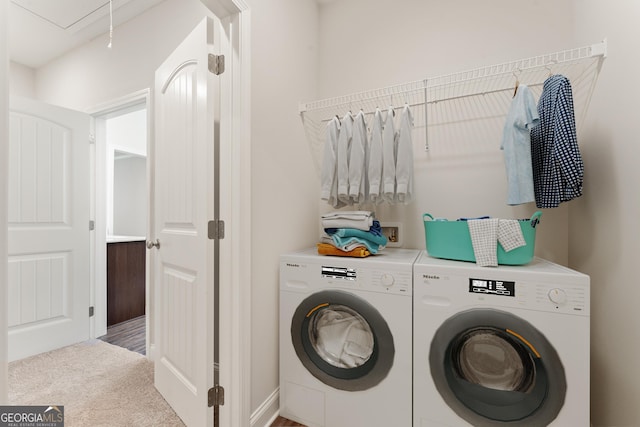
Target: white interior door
x,y
185,167
49,263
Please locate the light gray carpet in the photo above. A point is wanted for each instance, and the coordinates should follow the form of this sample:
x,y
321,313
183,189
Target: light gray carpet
x,y
99,384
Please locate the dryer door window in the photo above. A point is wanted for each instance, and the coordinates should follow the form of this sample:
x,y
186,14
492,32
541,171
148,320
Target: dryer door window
x,y
340,336
342,340
492,358
494,368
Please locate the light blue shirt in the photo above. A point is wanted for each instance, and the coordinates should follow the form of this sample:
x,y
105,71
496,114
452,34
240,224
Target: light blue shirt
x,y
516,144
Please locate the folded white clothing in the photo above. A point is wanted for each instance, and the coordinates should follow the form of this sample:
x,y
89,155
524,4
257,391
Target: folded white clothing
x,y
484,238
361,224
510,234
347,215
361,220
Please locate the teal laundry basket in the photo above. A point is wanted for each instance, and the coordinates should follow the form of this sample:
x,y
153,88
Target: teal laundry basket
x,y
451,240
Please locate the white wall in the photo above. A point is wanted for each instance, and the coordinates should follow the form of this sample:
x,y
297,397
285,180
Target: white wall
x,y
126,176
4,178
22,80
284,188
130,196
409,40
604,223
367,44
128,132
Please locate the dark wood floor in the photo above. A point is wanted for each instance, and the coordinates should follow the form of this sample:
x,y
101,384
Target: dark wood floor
x,y
129,334
283,422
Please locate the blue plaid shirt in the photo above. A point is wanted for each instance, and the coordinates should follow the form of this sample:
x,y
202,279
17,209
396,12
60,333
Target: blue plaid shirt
x,y
557,165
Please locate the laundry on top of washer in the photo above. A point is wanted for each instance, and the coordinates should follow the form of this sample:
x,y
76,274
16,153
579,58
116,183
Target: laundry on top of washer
x,y
352,233
329,249
486,241
362,220
485,235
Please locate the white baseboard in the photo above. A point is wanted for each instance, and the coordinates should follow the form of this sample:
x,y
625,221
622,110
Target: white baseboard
x,y
151,353
266,413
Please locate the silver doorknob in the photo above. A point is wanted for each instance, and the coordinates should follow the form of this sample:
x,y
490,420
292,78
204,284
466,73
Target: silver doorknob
x,y
151,244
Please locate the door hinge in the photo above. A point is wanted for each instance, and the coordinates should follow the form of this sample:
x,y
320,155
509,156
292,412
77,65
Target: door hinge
x,y
92,138
92,225
216,64
91,310
216,395
216,229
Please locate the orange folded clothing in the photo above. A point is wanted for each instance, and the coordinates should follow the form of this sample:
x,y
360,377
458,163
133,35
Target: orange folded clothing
x,y
328,249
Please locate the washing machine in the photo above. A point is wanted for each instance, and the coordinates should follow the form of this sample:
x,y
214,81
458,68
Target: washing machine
x,y
500,346
345,338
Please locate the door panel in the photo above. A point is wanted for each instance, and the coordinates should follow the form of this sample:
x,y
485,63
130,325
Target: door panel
x,y
48,229
184,202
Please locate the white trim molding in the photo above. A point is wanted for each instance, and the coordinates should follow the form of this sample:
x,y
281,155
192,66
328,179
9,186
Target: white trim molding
x,y
99,208
4,197
235,210
267,413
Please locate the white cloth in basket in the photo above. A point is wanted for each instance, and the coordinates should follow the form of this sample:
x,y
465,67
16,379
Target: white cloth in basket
x,y
485,234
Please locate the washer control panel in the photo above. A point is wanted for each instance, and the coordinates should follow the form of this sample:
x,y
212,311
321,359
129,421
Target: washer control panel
x,y
345,273
391,280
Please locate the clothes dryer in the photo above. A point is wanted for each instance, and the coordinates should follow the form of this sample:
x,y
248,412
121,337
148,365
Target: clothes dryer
x,y
500,346
345,338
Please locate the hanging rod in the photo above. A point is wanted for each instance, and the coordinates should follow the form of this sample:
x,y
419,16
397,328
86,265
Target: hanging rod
x,y
415,104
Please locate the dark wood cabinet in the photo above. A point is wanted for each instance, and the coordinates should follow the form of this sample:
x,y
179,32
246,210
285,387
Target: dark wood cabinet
x,y
125,281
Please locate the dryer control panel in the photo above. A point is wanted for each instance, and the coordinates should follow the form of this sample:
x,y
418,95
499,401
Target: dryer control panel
x,y
495,287
570,297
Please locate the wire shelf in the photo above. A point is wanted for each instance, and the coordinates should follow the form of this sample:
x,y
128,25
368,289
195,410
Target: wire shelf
x,y
465,110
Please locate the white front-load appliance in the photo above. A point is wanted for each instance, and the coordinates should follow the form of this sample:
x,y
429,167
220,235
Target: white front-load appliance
x,y
345,338
500,346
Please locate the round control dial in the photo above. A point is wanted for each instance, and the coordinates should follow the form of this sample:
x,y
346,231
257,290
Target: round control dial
x,y
557,296
387,280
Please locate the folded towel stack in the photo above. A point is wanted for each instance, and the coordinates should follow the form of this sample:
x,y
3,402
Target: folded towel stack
x,y
351,233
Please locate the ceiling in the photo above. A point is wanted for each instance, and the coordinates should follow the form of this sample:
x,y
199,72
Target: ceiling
x,y
42,30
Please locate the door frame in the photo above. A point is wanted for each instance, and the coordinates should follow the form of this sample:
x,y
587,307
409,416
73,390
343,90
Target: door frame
x,y
235,210
98,323
4,198
235,340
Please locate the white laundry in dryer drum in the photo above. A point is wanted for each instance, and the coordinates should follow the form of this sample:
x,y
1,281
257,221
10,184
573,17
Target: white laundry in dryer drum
x,y
505,346
345,339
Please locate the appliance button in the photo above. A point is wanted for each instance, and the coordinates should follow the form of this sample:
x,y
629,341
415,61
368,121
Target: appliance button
x,y
557,296
387,280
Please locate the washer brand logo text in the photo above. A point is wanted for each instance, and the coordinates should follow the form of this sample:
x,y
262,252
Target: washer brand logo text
x,y
430,276
292,265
